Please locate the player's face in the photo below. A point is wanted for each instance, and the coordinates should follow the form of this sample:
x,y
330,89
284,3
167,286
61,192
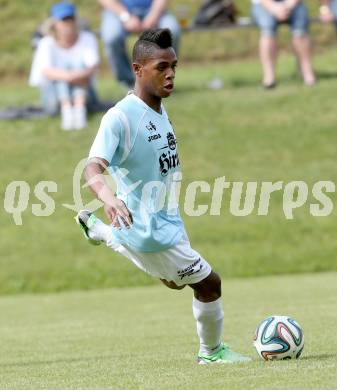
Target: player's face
x,y
157,74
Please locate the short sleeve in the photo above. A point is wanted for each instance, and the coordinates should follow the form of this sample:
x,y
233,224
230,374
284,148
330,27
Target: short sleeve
x,y
108,137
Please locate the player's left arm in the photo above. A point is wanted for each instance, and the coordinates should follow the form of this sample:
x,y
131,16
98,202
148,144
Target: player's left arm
x,y
157,9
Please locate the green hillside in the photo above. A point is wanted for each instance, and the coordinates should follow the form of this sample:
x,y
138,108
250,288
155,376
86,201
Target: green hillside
x,y
20,18
241,132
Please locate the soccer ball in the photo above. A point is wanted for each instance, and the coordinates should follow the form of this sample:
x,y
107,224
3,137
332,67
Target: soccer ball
x,y
278,338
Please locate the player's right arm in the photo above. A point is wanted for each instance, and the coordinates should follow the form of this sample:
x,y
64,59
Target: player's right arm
x,y
114,208
107,141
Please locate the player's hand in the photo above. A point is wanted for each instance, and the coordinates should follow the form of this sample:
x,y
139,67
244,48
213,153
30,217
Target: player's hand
x,y
150,21
290,4
281,12
77,78
117,212
133,24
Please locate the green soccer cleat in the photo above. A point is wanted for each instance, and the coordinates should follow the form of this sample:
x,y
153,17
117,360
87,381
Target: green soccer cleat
x,y
224,356
86,219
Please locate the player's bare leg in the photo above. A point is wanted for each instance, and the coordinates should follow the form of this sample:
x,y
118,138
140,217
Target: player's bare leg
x,y
268,55
303,51
207,304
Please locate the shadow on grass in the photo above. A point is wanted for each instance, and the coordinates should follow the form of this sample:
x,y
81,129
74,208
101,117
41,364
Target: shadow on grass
x,y
56,361
323,356
326,75
243,83
112,357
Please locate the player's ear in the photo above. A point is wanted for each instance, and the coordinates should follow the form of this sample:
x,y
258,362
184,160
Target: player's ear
x,y
137,68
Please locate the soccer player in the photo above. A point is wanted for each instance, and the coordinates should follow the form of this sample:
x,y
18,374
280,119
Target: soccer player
x,y
137,144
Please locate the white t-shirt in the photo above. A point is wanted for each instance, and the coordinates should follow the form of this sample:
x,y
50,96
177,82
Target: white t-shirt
x,y
83,54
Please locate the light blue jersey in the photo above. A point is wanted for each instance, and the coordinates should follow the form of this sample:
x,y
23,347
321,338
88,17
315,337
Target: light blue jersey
x,y
141,148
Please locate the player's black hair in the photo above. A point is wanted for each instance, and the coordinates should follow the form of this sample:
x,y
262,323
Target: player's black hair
x,y
149,41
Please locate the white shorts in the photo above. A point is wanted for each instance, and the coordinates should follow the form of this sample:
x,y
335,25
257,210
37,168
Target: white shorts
x,y
180,264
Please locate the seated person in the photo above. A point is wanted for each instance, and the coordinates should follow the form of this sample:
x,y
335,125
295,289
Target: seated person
x,y
122,17
64,65
268,14
328,11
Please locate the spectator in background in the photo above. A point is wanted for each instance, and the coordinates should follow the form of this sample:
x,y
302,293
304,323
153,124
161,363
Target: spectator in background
x,y
64,65
268,14
122,17
328,11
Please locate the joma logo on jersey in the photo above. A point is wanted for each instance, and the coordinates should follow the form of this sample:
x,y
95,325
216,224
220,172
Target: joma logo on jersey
x,y
153,137
151,126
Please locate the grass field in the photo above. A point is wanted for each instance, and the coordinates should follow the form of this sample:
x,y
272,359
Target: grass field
x,y
240,132
123,335
144,338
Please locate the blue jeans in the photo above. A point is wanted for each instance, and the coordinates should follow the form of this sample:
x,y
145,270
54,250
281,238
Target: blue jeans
x,y
114,37
52,92
66,91
333,7
298,20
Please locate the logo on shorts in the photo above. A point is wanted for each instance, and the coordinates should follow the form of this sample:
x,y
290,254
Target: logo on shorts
x,y
191,269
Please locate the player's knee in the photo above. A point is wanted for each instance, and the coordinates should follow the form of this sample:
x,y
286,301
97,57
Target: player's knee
x,y
208,289
213,286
